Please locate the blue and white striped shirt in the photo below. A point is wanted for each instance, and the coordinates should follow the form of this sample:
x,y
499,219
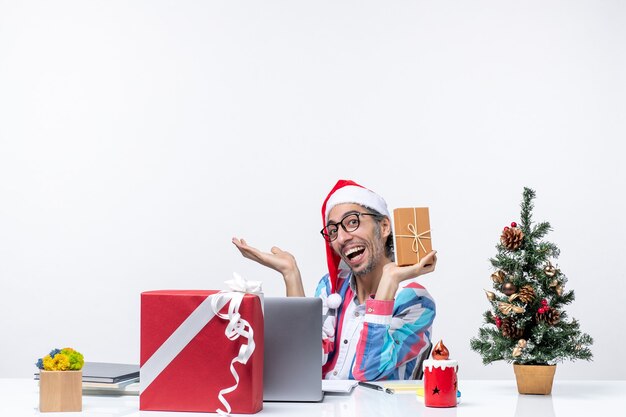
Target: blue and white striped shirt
x,y
378,339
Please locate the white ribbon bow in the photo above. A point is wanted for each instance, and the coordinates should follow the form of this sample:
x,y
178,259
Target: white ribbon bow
x,y
237,326
240,284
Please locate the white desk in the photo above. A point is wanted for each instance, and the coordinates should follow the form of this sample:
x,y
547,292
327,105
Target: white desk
x,y
19,397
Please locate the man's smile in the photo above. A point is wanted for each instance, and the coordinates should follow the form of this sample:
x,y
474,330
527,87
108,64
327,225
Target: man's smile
x,y
354,254
353,251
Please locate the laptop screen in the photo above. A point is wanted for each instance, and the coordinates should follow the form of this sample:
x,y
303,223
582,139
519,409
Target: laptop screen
x,y
293,349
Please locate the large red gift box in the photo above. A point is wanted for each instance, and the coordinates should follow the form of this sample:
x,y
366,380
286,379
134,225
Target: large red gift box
x,y
186,355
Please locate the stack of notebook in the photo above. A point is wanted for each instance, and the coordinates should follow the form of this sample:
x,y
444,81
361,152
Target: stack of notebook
x,y
103,378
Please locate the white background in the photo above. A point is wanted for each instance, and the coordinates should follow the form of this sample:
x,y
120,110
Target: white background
x,y
138,137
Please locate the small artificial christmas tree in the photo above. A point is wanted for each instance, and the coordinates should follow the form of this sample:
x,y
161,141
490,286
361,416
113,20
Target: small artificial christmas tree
x,y
526,323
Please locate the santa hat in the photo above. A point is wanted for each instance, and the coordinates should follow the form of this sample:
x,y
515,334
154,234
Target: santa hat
x,y
346,191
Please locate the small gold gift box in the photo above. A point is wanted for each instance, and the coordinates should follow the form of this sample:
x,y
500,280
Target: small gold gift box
x,y
412,234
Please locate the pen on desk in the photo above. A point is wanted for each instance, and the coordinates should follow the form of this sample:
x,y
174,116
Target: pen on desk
x,y
376,387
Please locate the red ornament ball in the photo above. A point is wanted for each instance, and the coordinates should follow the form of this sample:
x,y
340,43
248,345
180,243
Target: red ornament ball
x,y
513,224
506,227
544,302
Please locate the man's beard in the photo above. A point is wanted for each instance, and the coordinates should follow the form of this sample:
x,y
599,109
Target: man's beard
x,y
377,254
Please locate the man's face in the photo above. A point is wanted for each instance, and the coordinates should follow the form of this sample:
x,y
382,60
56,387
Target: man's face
x,y
363,249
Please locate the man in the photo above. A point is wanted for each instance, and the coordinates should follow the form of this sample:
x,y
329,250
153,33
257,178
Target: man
x,y
374,328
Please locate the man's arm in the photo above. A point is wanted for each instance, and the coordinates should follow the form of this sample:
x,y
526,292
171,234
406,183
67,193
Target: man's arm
x,y
278,260
390,339
393,275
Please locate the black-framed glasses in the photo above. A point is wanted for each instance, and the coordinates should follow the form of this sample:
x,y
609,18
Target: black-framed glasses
x,y
349,223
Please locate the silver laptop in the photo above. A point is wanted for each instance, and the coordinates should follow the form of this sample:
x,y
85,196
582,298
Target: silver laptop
x,y
292,370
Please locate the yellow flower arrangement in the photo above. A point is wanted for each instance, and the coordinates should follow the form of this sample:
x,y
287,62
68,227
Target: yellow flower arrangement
x,y
66,359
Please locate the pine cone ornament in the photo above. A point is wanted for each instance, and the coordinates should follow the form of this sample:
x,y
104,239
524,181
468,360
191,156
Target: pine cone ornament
x,y
526,294
553,317
512,238
548,315
510,330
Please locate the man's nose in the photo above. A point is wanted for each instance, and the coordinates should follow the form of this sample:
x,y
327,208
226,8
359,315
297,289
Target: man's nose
x,y
343,236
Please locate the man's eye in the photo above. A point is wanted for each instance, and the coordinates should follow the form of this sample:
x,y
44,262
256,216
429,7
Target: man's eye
x,y
353,222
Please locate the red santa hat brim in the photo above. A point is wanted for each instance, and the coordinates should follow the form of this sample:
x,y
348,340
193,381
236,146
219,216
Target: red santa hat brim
x,y
358,195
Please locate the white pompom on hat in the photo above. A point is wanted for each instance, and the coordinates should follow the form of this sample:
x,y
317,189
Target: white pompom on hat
x,y
346,191
333,301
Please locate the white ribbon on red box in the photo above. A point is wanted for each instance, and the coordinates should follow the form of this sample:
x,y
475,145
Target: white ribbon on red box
x,y
196,321
237,326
